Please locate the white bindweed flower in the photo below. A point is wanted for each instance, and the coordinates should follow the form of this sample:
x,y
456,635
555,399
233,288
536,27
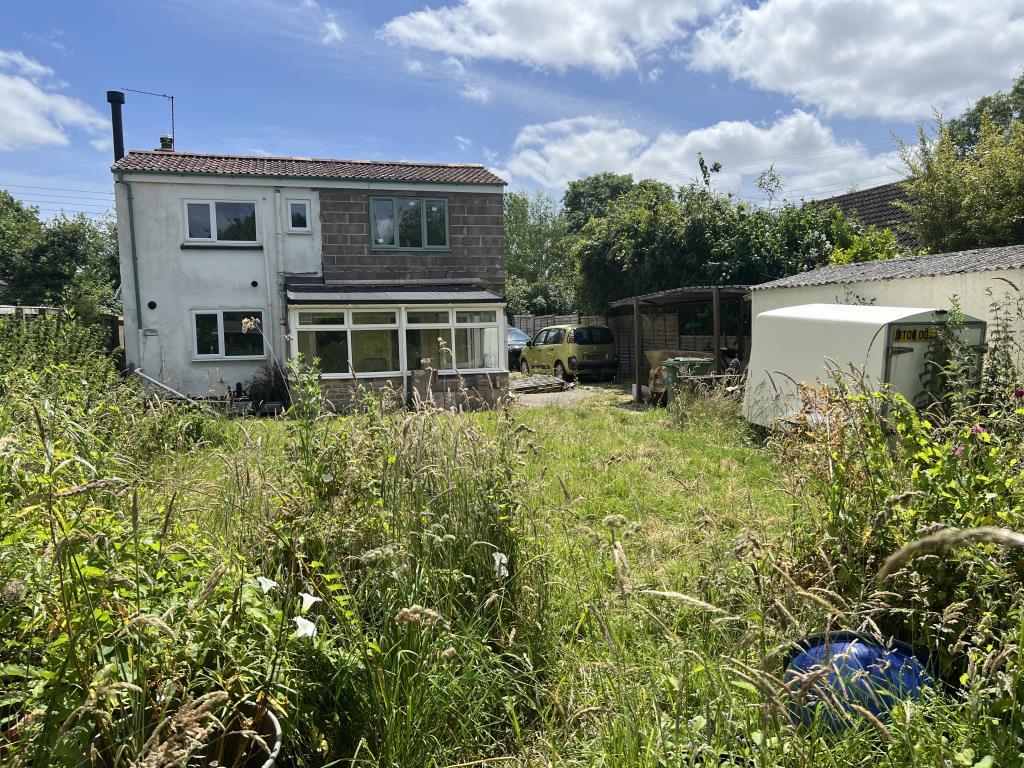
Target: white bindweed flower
x,y
304,627
500,565
266,584
308,600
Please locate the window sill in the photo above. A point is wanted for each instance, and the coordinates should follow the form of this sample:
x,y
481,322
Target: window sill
x,y
385,249
446,373
221,247
231,359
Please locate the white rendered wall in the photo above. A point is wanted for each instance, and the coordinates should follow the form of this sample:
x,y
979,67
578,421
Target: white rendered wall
x,y
180,280
975,291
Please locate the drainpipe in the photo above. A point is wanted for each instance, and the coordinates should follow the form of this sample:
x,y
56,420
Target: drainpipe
x,y
135,259
273,278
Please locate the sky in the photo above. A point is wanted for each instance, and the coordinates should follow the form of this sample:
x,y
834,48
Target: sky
x,y
540,91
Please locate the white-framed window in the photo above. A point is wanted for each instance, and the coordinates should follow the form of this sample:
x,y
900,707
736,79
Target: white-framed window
x,y
220,221
409,223
390,340
298,213
227,334
477,339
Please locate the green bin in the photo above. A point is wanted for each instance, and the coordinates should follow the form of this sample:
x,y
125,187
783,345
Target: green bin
x,y
685,366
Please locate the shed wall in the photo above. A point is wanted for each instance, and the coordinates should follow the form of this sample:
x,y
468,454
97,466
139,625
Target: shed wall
x,y
976,291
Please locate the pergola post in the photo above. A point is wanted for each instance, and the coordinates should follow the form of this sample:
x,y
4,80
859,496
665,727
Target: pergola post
x,y
716,316
741,340
638,349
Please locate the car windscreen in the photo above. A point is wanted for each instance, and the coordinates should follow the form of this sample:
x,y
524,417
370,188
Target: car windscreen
x,y
593,335
517,335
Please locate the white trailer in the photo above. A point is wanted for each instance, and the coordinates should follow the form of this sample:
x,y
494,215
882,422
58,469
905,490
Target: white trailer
x,y
807,344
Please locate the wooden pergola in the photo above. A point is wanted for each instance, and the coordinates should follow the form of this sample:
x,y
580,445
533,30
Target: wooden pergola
x,y
705,294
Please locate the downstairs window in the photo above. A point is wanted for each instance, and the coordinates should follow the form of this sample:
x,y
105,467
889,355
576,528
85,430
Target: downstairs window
x,y
227,334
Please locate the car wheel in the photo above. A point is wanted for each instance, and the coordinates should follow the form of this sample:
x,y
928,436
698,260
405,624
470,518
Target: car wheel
x,y
560,370
524,367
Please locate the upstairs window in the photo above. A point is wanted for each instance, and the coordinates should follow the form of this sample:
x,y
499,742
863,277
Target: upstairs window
x,y
298,216
409,223
220,221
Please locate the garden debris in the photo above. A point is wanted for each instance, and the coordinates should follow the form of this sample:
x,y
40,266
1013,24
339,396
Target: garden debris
x,y
540,383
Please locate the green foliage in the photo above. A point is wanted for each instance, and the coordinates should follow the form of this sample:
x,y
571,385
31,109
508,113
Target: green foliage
x,y
652,238
1000,108
135,595
542,277
888,473
21,231
66,261
585,199
591,586
969,199
869,244
615,237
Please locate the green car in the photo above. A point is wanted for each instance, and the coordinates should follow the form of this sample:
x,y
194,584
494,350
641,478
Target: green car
x,y
571,350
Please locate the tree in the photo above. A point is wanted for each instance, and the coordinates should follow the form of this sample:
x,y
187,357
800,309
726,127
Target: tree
x,y
1001,108
869,244
967,199
67,261
654,238
588,198
20,234
542,276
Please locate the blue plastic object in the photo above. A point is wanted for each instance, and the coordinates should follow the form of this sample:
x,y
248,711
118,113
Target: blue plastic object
x,y
853,670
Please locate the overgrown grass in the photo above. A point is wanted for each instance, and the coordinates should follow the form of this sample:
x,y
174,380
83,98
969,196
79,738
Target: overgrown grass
x,y
591,585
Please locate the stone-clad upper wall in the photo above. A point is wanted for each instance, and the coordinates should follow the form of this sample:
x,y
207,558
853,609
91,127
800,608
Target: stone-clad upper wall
x,y
476,240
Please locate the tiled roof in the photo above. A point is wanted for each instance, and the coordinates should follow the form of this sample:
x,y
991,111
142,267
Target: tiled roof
x,y
876,206
301,291
163,161
958,262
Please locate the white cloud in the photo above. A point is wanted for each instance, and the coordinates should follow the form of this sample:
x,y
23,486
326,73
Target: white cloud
x,y
806,153
51,38
478,93
23,65
880,58
103,145
463,143
470,90
608,36
414,66
654,74
454,66
31,113
332,32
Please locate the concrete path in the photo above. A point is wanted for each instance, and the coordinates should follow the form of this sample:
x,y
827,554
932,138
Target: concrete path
x,y
564,398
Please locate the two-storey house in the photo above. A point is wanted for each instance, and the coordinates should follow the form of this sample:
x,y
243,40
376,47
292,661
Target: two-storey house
x,y
378,269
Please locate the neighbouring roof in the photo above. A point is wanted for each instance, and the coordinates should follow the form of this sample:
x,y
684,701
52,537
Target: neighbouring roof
x,y
876,206
301,292
689,295
958,262
203,164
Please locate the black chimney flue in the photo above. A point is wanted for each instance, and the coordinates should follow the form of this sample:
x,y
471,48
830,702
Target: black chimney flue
x,y
116,99
167,143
